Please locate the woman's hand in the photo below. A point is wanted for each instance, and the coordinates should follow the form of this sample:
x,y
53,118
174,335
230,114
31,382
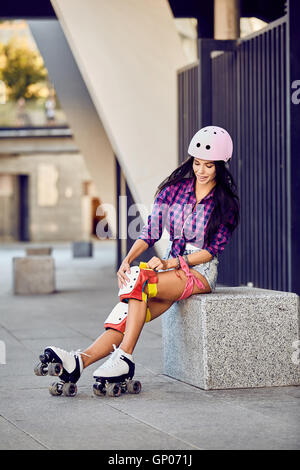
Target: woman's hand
x,y
121,274
157,263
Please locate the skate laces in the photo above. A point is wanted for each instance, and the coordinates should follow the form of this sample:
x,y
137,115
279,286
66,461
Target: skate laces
x,y
75,353
78,352
113,359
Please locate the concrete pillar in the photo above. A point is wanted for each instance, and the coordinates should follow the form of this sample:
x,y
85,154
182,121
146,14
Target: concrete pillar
x,y
227,19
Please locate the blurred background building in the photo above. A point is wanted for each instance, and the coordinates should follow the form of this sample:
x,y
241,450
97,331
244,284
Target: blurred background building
x,y
100,98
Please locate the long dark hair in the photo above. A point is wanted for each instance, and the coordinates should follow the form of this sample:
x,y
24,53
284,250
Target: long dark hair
x,y
226,200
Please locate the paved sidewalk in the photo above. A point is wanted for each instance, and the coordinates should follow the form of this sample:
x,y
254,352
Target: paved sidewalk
x,y
167,415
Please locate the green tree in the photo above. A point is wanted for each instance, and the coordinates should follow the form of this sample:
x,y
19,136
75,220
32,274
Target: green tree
x,y
23,67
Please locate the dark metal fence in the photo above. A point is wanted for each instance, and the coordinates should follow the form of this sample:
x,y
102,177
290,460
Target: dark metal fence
x,y
246,92
189,105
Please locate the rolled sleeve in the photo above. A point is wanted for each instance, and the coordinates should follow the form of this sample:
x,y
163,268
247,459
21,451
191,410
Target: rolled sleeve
x,y
219,241
152,231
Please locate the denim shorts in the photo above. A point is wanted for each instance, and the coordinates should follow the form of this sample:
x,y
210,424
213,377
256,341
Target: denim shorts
x,y
209,270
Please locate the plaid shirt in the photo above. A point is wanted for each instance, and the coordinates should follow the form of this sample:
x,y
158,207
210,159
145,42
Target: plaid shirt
x,y
175,209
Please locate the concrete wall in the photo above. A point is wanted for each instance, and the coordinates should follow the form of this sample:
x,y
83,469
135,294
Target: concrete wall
x,y
9,206
57,207
128,52
82,117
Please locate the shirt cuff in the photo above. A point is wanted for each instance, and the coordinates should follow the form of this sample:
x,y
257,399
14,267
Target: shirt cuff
x,y
149,242
212,251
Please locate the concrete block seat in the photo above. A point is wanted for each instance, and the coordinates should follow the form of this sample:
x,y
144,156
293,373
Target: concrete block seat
x,y
235,337
33,275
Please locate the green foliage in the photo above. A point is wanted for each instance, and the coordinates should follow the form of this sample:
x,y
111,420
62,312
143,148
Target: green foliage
x,y
21,67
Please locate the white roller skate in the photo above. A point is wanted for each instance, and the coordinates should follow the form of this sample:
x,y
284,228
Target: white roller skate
x,y
66,365
115,375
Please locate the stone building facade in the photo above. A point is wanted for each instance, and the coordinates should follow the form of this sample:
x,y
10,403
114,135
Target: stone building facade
x,y
60,195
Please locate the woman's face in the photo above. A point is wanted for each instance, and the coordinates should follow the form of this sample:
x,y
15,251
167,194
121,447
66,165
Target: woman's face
x,y
205,170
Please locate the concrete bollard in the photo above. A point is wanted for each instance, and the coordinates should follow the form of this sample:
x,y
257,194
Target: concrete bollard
x,y
82,249
33,275
39,251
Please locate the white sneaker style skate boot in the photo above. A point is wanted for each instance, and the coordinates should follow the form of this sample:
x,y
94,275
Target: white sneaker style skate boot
x,y
66,365
115,375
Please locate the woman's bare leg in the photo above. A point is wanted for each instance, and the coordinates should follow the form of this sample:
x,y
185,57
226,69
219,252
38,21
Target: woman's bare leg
x,y
134,324
170,286
103,345
157,307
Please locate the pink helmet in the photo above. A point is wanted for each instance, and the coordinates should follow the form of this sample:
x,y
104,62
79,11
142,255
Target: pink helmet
x,y
211,143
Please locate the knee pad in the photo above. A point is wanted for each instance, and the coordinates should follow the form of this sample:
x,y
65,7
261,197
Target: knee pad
x,y
138,278
116,320
148,316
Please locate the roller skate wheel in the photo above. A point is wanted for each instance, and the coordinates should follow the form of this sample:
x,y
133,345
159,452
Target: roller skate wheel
x,y
55,389
55,369
41,369
69,389
113,390
99,389
44,358
134,386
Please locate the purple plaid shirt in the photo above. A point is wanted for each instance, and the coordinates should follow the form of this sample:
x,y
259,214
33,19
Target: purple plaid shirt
x,y
175,209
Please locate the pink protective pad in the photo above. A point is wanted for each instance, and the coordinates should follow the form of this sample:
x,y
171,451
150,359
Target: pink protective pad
x,y
191,279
